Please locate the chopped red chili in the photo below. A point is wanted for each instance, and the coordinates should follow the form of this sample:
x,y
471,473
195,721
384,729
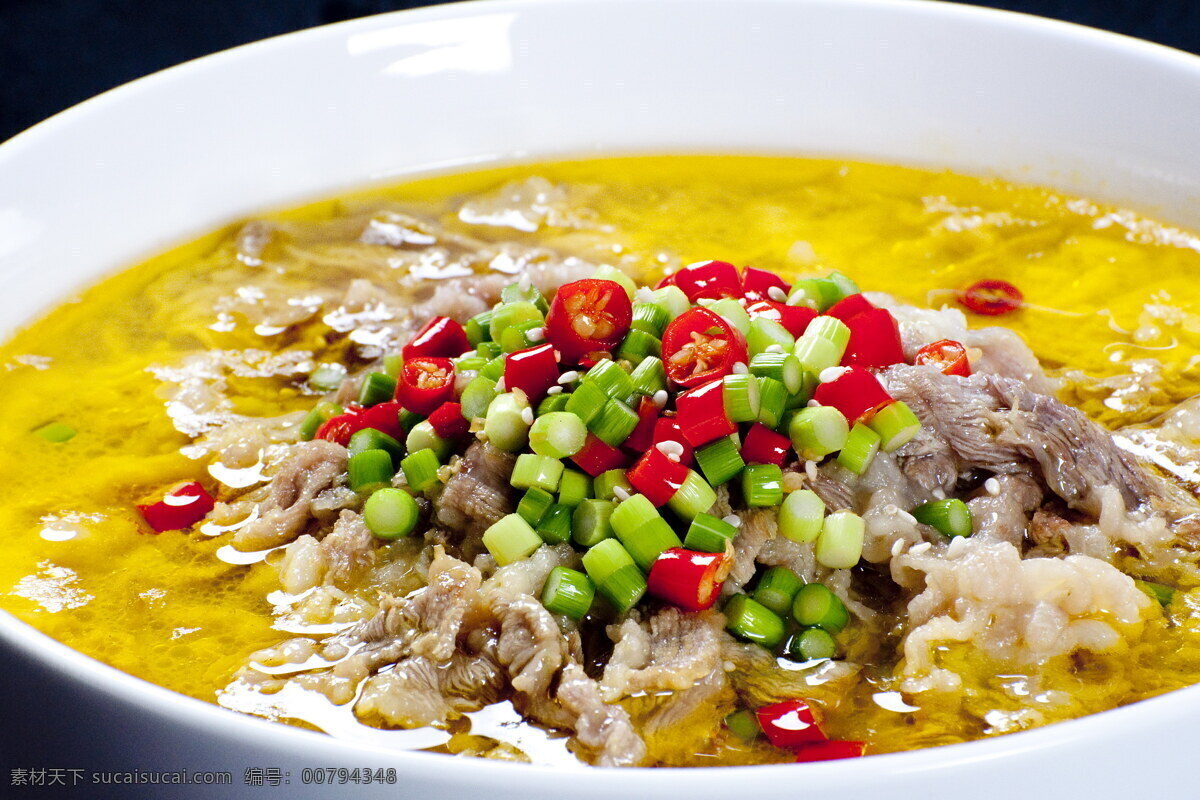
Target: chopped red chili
x,y
425,383
830,751
874,340
657,476
441,337
947,355
533,371
181,507
794,319
596,456
642,438
849,307
856,393
448,421
699,346
586,317
991,297
709,280
757,284
790,724
702,416
765,446
686,578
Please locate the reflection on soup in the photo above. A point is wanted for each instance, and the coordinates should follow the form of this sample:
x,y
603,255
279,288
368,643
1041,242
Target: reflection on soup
x,y
635,586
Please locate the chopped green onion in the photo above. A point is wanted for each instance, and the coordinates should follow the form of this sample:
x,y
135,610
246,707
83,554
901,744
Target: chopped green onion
x,y
408,420
750,620
732,312
844,283
559,434
376,388
393,363
370,470
860,448
569,592
611,379
783,367
772,400
477,396
818,431
643,531
587,401
489,350
808,385
650,318
896,425
649,377
506,426
590,522
811,645
762,485
518,336
816,354
423,436
708,534
740,395
321,413
1163,594
801,516
420,470
816,293
532,470
552,403
615,574
606,272
479,328
511,539
510,314
817,606
614,423
472,363
767,332
494,369
638,346
327,377
744,725
606,484
534,505
390,513
555,525
777,589
371,439
574,487
693,497
830,328
721,460
672,299
516,293
950,517
841,541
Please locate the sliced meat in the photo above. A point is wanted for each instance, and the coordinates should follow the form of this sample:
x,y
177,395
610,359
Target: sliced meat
x,y
601,727
531,647
312,468
419,691
476,496
1004,516
672,652
757,528
349,550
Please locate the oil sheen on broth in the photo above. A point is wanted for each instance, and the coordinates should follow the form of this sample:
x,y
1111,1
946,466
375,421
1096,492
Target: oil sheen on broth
x,y
1111,307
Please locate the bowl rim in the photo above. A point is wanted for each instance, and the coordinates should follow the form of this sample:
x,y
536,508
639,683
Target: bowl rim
x,y
74,666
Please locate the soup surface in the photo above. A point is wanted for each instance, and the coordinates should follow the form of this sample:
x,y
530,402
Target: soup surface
x,y
154,366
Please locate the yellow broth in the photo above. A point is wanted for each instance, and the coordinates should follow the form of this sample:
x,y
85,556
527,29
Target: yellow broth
x,y
1111,304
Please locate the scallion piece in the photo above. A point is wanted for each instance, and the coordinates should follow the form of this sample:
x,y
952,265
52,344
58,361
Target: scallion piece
x,y
510,314
783,367
638,346
733,313
555,525
777,589
321,413
841,541
408,420
860,448
479,328
816,293
552,403
762,485
767,332
643,531
607,272
390,513
649,377
614,423
611,379
815,605
709,534
376,388
816,354
518,335
511,539
615,574
573,488
393,363
772,400
801,516
558,434
1163,594
896,425
949,517
568,591
371,439
516,293
744,725
721,460
424,437
590,522
830,328
818,431
534,505
489,350
494,369
740,395
420,470
651,318
370,470
505,425
811,645
472,363
327,377
606,483
672,299
693,497
532,470
808,385
750,620
587,401
844,283
477,396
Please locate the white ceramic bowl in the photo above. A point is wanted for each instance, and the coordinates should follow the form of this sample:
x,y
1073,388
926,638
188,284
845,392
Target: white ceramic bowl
x,y
313,113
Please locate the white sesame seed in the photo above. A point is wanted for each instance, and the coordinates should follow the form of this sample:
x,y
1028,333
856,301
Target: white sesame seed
x,y
536,334
554,390
732,519
774,348
938,494
897,547
500,384
891,508
527,415
992,487
670,448
917,550
557,356
812,404
740,368
525,282
831,374
907,517
777,294
660,398
570,376
620,493
468,354
481,436
810,469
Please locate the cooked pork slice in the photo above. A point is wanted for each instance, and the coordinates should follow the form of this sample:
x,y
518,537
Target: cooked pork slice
x,y
1004,514
476,496
349,549
419,691
531,646
671,652
757,528
602,727
312,468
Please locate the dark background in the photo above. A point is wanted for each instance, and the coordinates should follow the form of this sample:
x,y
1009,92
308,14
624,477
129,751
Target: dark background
x,y
55,53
